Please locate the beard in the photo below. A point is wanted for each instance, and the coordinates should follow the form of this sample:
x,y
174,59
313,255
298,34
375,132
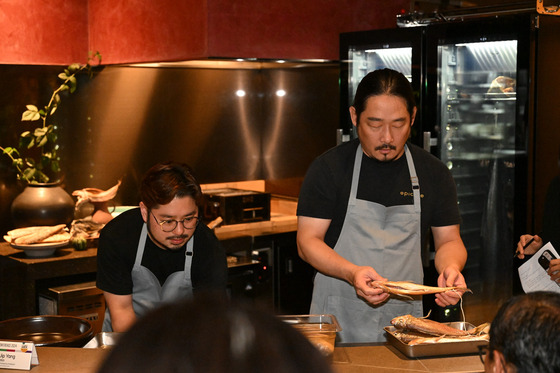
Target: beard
x,y
385,156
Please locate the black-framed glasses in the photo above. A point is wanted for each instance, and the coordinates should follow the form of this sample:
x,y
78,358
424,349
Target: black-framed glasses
x,y
482,352
169,225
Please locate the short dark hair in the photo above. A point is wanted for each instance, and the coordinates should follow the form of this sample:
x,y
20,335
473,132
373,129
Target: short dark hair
x,y
383,82
526,330
165,181
212,333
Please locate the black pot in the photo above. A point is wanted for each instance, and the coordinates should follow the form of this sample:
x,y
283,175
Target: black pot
x,y
42,204
51,330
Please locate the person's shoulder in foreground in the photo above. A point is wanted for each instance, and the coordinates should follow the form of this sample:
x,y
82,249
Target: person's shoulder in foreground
x,y
525,335
213,334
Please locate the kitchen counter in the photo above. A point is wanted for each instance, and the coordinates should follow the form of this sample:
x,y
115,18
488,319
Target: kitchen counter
x,y
382,357
20,274
355,359
278,223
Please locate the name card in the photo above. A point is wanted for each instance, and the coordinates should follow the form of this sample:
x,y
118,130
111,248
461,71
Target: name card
x,y
17,355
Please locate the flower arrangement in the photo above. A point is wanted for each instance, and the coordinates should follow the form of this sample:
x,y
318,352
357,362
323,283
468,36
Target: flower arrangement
x,y
43,138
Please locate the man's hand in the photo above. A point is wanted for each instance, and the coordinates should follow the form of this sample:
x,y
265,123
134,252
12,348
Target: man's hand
x,y
363,276
532,248
554,270
450,276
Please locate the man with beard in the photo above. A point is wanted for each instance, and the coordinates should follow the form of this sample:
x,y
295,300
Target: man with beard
x,y
370,203
158,253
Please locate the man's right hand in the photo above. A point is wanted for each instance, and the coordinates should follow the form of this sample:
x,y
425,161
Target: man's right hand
x,y
531,249
363,277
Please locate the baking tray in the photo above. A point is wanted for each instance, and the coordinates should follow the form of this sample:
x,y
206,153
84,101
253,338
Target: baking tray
x,y
436,349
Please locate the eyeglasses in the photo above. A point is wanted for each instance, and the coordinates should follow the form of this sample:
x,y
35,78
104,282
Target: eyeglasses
x,y
482,352
169,225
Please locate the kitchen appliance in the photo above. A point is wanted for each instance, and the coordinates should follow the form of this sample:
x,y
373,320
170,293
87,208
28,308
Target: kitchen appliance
x,y
236,206
486,88
82,300
250,271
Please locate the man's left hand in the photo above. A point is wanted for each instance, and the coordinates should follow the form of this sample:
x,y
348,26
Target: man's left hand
x,y
451,276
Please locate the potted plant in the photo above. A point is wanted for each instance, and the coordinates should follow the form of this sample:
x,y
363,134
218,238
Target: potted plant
x,y
36,161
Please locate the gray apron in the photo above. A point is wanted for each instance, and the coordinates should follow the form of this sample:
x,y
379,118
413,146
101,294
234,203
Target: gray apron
x,y
147,293
386,238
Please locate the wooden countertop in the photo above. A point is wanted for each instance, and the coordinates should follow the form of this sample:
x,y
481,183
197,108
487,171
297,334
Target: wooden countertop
x,y
375,357
382,357
278,223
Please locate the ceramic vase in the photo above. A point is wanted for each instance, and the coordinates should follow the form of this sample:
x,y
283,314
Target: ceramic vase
x,y
42,204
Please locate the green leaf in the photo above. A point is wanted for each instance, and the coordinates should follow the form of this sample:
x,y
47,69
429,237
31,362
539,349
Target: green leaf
x,y
28,173
29,162
43,141
30,115
52,136
41,177
64,87
74,67
9,150
73,84
55,166
63,75
25,134
26,141
41,131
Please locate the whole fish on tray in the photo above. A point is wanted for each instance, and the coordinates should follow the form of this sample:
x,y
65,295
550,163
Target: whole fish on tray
x,y
442,339
413,331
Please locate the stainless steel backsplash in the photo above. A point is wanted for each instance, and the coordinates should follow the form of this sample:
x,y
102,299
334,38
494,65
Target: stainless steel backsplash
x,y
126,118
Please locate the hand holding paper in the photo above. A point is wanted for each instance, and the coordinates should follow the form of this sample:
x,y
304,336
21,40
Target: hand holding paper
x,y
534,273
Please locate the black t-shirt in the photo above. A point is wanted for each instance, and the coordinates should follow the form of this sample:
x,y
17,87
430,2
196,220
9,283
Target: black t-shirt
x,y
118,244
326,188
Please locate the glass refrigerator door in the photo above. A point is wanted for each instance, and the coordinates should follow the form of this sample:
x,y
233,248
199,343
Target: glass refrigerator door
x,y
477,115
364,60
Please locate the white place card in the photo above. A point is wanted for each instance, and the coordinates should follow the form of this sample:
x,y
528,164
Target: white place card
x,y
17,355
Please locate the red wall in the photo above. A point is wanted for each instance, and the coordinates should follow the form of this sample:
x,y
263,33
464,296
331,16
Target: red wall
x,y
62,31
36,32
148,30
292,28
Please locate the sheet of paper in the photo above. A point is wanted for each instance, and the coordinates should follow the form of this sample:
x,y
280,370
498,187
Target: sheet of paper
x,y
534,276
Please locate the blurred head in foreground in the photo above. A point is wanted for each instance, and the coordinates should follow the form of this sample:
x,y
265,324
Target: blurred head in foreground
x,y
213,334
525,335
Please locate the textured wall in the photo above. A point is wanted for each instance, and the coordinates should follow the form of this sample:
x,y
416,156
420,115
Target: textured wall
x,y
36,32
54,32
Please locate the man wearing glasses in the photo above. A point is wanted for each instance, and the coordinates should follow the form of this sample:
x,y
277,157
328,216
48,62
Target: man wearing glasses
x,y
158,253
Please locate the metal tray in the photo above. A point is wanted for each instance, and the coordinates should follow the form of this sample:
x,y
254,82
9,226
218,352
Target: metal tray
x,y
436,349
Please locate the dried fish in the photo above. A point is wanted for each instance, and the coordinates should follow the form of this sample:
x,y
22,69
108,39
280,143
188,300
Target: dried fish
x,y
444,339
434,328
95,195
427,326
407,288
